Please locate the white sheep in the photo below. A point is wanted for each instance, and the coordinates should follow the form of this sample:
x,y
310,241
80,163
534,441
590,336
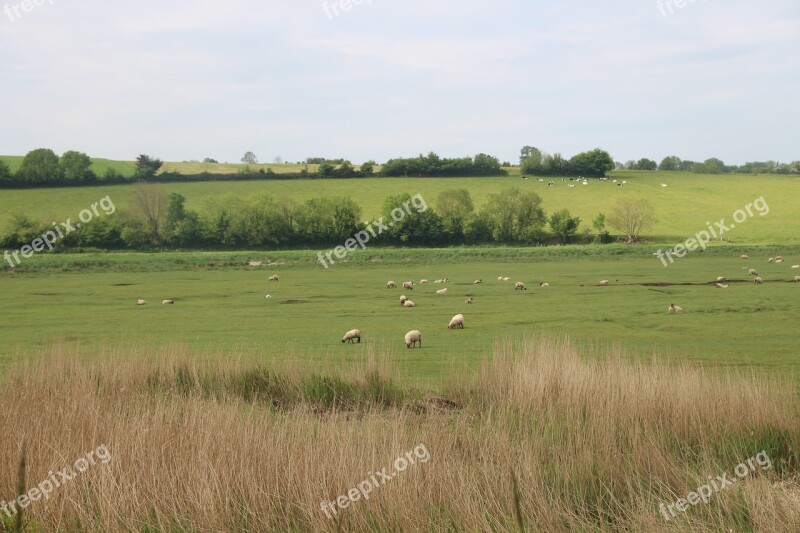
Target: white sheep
x,y
604,282
752,272
795,266
403,299
168,302
441,292
437,281
408,285
412,338
506,278
477,282
663,185
544,284
770,260
674,309
254,263
758,280
719,285
469,300
141,301
778,260
797,279
744,256
423,281
391,285
352,334
273,277
409,303
519,286
722,279
268,297
457,322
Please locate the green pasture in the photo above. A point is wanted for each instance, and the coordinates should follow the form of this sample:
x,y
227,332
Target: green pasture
x,y
89,299
683,208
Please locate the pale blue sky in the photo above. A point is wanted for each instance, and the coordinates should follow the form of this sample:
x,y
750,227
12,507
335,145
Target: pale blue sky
x,y
185,80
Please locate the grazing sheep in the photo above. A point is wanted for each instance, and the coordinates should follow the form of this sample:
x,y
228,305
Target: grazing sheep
x,y
167,302
758,280
409,303
254,263
752,272
674,309
268,297
352,334
719,285
722,279
519,286
403,299
778,260
457,322
769,260
141,301
544,284
477,282
499,278
408,285
441,291
391,285
469,300
423,281
795,266
663,185
797,279
438,281
273,277
412,338
744,256
604,282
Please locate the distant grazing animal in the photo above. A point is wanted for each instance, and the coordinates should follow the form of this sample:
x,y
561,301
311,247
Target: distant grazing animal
x,y
254,263
351,335
412,338
571,186
273,277
391,285
506,278
403,299
663,185
268,297
441,291
674,309
469,300
778,260
797,279
603,282
499,278
722,279
168,302
752,272
620,184
758,280
744,256
423,281
519,286
408,285
795,266
409,303
457,322
769,260
141,301
544,284
719,285
477,282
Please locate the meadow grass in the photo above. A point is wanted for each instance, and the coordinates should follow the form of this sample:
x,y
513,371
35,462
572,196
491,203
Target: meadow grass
x,y
683,209
89,299
542,438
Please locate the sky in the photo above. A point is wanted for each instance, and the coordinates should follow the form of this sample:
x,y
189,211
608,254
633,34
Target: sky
x,y
185,80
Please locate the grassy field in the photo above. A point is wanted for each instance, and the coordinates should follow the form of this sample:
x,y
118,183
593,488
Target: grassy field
x,y
88,299
683,208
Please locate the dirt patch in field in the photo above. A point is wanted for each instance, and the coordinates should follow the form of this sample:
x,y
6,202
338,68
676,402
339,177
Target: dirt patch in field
x,y
294,302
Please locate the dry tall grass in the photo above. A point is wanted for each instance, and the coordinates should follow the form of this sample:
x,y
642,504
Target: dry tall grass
x,y
591,443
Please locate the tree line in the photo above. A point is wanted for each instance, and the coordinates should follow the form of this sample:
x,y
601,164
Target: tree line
x,y
710,166
156,220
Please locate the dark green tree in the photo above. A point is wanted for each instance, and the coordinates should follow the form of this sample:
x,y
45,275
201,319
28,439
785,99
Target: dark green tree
x,y
75,166
564,226
40,166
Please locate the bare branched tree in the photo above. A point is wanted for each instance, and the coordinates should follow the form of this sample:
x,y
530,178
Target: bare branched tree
x,y
149,202
631,218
